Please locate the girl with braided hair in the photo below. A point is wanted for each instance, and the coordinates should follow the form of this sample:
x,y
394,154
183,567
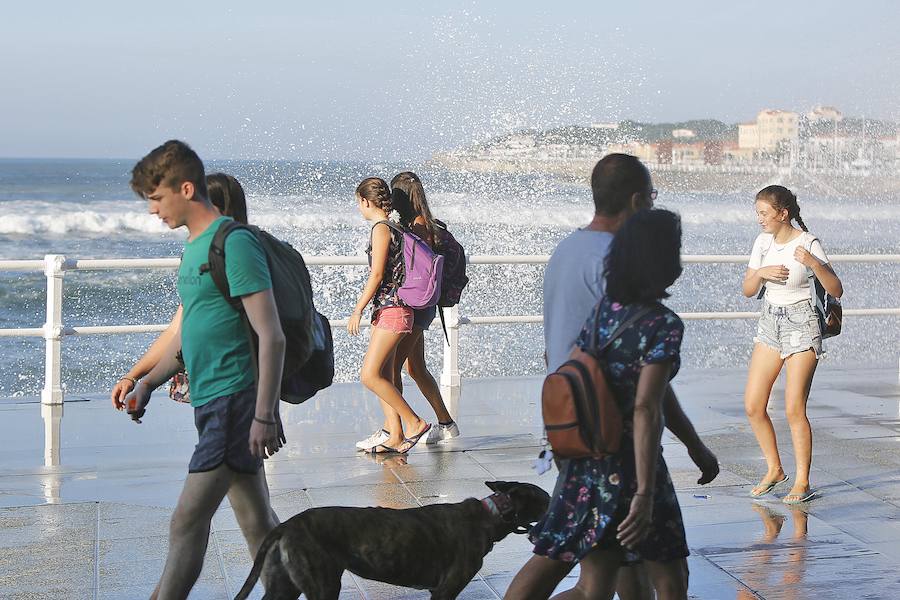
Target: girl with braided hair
x,y
392,320
788,333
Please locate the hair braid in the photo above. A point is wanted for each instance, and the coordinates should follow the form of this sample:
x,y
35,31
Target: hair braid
x,y
376,191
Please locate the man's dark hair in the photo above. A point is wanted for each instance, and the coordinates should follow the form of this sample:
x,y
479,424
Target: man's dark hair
x,y
171,164
644,258
615,178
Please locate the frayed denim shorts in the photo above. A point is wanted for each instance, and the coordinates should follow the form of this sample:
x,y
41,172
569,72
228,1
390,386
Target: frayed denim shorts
x,y
790,329
398,319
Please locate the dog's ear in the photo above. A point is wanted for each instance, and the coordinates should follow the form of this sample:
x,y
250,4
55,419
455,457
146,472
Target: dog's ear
x,y
500,486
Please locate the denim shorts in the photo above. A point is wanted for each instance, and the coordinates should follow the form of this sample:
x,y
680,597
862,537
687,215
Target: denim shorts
x,y
790,329
422,317
398,319
223,428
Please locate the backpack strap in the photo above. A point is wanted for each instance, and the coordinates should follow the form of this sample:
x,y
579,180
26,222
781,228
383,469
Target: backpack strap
x,y
595,334
443,324
216,268
400,229
810,240
762,290
215,264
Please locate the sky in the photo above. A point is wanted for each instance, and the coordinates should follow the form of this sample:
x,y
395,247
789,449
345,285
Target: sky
x,y
400,80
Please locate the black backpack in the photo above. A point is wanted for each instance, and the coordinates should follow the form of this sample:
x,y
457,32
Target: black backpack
x,y
454,277
309,352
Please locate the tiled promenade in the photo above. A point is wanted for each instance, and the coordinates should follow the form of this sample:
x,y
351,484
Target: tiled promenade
x,y
96,526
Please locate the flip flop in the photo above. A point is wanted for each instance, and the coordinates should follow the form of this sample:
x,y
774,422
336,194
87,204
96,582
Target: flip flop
x,y
769,487
412,441
800,498
386,450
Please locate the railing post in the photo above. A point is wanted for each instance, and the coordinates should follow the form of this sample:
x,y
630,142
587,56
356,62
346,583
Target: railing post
x,y
52,394
450,382
53,329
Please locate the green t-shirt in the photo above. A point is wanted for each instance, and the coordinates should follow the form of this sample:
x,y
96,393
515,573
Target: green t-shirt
x,y
214,341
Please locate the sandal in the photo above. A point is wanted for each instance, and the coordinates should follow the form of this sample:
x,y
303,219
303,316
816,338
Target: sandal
x,y
800,498
768,487
410,442
385,450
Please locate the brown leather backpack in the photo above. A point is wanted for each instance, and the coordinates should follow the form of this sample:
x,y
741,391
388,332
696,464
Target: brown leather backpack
x,y
581,416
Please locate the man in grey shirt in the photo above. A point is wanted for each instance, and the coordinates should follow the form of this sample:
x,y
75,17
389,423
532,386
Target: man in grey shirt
x,y
573,284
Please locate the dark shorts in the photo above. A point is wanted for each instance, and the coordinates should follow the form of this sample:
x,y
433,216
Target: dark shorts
x,y
223,428
422,317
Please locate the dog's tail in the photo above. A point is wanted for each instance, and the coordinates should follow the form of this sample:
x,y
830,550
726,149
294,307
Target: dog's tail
x,y
261,554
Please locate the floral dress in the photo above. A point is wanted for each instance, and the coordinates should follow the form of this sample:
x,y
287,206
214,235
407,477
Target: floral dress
x,y
393,274
593,496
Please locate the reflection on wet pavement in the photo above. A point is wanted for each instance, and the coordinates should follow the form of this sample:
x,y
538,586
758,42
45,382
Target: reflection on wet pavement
x,y
96,525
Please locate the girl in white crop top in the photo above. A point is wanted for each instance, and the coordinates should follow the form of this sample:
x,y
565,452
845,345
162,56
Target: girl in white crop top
x,y
767,253
788,333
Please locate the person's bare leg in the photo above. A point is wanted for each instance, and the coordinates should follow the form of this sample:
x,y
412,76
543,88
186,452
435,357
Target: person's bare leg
x,y
382,344
765,364
391,370
633,583
597,580
418,370
249,498
670,579
189,530
537,578
800,370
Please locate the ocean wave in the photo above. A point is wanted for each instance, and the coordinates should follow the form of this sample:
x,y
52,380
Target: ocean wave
x,y
29,218
86,222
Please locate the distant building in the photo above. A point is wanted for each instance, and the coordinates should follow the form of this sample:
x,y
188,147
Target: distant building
x,y
689,154
732,153
642,150
824,113
683,133
772,127
777,126
748,136
604,125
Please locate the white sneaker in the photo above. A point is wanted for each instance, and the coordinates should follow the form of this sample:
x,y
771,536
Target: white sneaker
x,y
379,437
440,433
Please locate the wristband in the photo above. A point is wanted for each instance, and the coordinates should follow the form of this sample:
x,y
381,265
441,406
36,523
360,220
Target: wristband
x,y
648,494
263,421
131,379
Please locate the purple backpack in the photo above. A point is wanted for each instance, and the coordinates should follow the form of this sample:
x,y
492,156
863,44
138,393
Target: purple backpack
x,y
422,270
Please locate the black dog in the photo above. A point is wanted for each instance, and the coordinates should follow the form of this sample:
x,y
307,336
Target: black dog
x,y
439,547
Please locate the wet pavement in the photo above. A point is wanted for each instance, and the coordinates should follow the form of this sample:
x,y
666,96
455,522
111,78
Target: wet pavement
x,y
95,527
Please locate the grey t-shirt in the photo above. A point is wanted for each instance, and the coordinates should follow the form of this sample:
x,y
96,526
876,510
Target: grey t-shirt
x,y
573,284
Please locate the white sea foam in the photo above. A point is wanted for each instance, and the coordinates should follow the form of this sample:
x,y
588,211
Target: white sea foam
x,y
85,222
305,213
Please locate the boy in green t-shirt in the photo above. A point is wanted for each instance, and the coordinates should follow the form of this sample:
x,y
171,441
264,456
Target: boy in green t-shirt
x,y
237,421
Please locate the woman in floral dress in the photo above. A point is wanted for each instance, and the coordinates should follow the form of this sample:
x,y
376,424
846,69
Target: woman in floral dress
x,y
622,508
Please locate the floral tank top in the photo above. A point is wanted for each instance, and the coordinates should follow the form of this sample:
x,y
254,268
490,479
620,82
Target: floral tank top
x,y
393,274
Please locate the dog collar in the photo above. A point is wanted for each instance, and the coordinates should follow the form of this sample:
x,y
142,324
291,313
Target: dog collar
x,y
500,505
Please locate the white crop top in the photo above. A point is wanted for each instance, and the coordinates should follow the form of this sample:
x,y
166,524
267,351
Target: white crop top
x,y
766,253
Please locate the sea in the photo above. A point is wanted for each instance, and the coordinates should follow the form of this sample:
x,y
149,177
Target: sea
x,y
85,209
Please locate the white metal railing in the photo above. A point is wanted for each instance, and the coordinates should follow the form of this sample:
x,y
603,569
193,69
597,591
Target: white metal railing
x,y
55,266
